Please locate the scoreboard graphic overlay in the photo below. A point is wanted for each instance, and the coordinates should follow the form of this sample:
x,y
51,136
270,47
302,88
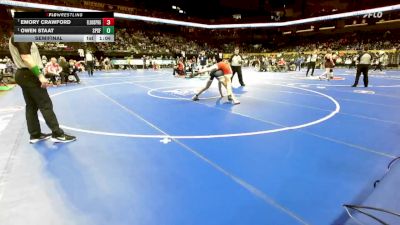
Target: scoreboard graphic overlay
x,y
64,27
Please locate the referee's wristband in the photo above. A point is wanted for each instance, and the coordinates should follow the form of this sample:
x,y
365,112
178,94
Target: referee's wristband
x,y
35,70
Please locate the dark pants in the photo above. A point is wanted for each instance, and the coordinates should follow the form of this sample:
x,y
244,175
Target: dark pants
x,y
36,98
179,72
238,70
90,66
379,66
297,66
311,65
65,76
216,74
76,77
52,77
362,68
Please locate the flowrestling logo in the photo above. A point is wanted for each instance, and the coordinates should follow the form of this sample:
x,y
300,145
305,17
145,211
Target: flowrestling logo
x,y
373,15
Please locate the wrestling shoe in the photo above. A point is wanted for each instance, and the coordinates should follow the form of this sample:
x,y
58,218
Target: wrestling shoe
x,y
41,137
235,102
195,98
64,138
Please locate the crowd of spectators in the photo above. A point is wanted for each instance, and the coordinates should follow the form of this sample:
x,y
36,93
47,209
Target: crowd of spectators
x,y
308,9
140,42
155,42
167,45
347,41
3,41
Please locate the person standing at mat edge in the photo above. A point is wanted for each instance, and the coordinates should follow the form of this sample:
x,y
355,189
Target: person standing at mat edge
x,y
33,83
364,61
236,64
202,59
311,60
89,63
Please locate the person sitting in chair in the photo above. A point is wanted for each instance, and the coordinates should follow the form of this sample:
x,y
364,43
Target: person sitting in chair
x,y
53,70
3,67
65,70
179,68
10,66
74,69
282,65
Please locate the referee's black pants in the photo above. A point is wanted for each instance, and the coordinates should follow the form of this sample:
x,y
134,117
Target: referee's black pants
x,y
90,67
36,98
238,70
310,65
362,68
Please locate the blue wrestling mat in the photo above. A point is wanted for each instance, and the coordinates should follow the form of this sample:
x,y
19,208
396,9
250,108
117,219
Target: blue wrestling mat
x,y
293,152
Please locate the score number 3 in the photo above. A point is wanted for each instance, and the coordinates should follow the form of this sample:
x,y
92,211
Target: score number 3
x,y
108,21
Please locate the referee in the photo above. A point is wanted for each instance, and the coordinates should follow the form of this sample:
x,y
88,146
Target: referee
x,y
33,83
202,59
311,60
363,67
89,63
236,64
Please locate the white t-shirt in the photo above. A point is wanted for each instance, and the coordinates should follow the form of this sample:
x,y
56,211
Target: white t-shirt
x,y
365,59
81,52
89,57
236,60
314,57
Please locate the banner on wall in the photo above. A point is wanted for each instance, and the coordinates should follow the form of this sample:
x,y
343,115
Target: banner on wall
x,y
94,5
103,6
126,9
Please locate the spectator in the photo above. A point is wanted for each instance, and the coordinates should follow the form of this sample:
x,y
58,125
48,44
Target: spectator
x,y
179,68
52,71
89,61
282,65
